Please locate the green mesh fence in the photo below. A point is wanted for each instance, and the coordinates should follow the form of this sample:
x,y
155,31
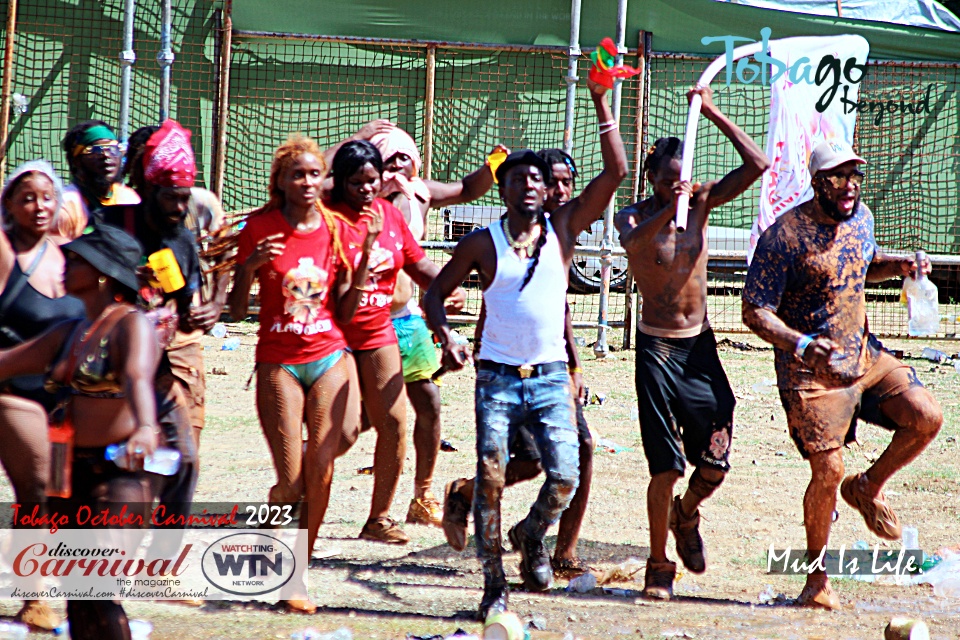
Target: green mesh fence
x,y
67,69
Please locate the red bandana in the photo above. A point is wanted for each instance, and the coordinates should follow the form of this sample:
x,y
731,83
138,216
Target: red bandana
x,y
168,159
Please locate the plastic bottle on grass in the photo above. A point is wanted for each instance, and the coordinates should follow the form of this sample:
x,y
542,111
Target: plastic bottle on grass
x,y
230,344
924,316
13,630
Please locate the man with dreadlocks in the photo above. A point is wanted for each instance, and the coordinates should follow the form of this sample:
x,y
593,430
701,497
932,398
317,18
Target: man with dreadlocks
x,y
93,155
523,262
524,460
685,401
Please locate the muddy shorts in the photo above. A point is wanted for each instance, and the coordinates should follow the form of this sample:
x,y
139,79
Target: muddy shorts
x,y
417,352
186,365
685,403
523,446
824,419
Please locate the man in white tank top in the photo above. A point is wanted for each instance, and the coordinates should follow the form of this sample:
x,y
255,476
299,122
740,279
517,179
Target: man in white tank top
x,y
522,375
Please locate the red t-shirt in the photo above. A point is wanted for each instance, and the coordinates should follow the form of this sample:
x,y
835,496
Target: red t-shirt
x,y
296,315
394,249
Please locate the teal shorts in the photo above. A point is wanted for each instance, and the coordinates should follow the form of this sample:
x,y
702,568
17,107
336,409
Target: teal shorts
x,y
309,372
417,352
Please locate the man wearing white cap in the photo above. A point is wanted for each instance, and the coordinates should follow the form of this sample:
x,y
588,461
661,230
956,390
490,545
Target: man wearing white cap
x,y
805,294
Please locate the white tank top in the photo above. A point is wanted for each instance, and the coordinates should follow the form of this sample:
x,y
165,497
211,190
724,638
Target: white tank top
x,y
525,327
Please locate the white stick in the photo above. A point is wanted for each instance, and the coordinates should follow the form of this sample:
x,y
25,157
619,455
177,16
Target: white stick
x,y
690,136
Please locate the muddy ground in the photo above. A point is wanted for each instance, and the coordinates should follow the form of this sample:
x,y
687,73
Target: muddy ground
x,y
426,588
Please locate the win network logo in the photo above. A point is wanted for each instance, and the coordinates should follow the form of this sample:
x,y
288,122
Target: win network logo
x,y
248,564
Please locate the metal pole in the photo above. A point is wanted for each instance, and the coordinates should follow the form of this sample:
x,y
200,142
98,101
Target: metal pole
x,y
127,58
428,112
574,57
628,302
223,108
165,60
7,82
600,347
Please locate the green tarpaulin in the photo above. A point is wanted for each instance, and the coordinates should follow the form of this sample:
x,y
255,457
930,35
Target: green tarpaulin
x,y
677,25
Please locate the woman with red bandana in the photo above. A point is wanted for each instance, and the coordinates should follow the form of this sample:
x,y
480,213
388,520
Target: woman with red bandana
x,y
293,247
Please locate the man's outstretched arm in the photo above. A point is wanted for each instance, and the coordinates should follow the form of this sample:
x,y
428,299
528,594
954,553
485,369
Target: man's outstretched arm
x,y
471,187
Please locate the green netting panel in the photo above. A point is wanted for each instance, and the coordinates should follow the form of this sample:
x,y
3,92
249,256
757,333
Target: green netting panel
x,y
67,68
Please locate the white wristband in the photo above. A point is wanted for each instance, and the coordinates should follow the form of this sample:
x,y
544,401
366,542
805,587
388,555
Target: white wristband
x,y
802,345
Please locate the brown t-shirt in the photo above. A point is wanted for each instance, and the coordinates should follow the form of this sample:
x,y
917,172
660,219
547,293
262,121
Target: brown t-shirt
x,y
813,277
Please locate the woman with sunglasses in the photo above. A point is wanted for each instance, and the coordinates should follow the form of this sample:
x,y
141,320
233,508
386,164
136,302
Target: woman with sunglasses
x,y
32,301
107,363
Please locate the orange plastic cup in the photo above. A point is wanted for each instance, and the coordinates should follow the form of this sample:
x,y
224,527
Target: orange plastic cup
x,y
167,269
495,159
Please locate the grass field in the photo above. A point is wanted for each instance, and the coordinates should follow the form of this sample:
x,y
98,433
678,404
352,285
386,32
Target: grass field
x,y
426,588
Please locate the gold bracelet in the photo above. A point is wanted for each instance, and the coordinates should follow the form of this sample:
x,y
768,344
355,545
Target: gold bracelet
x,y
573,370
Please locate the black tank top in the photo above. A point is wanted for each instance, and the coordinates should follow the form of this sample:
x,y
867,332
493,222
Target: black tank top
x,y
28,315
31,313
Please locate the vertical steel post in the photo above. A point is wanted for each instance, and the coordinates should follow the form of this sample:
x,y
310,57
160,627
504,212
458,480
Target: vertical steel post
x,y
7,84
223,108
428,112
574,57
165,59
127,59
628,302
600,347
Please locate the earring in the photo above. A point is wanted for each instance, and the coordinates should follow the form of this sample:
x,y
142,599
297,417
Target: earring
x,y
102,280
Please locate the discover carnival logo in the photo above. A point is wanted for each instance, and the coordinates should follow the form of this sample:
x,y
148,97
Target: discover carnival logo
x,y
248,564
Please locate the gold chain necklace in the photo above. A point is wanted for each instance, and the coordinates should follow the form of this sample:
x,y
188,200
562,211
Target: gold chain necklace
x,y
519,246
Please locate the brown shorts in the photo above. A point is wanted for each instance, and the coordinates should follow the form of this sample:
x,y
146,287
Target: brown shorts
x,y
825,419
186,365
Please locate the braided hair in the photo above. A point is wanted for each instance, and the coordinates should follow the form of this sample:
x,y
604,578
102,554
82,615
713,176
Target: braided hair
x,y
535,258
663,148
133,161
285,155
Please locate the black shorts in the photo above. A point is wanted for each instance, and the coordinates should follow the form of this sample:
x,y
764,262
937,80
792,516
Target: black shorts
x,y
685,402
523,446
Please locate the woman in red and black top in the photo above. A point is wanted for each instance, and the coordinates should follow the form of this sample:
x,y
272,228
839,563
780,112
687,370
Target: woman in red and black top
x,y
356,172
293,247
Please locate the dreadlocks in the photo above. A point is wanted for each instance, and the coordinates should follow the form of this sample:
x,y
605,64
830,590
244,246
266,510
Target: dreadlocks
x,y
535,258
133,163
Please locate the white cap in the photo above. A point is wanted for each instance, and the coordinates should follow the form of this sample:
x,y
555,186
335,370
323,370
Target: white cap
x,y
830,154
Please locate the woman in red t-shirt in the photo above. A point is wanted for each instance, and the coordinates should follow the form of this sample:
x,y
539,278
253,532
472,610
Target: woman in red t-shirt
x,y
294,247
356,173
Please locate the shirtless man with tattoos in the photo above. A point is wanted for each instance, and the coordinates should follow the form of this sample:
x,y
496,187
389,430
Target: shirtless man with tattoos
x,y
685,401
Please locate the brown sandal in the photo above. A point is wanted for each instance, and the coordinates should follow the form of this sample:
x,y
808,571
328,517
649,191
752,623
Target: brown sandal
x,y
877,514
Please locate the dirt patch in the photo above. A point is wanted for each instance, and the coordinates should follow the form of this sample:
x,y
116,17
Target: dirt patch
x,y
426,588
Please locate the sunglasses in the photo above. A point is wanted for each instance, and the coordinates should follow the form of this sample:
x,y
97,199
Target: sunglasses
x,y
102,150
840,181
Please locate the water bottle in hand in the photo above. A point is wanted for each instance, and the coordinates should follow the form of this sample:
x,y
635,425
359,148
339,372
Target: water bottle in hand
x,y
924,316
163,462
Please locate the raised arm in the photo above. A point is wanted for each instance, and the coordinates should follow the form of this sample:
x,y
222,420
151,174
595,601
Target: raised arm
x,y
586,208
885,267
755,161
468,189
636,231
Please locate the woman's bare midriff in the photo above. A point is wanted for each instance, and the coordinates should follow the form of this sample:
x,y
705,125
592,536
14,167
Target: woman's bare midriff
x,y
101,421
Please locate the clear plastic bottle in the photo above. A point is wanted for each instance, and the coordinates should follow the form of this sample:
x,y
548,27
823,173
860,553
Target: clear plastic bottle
x,y
164,461
922,310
